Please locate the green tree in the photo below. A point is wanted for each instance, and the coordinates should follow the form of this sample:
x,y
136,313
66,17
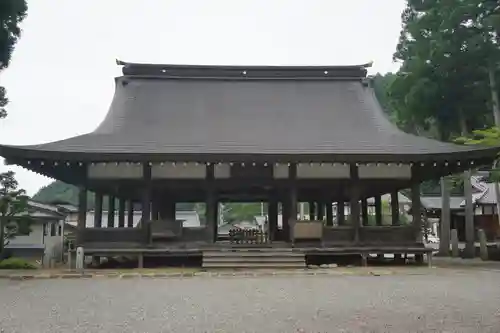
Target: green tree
x,y
13,201
12,13
14,217
438,89
62,192
489,137
234,212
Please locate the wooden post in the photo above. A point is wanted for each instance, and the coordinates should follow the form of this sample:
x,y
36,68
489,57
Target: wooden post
x,y
416,204
98,210
444,224
82,214
320,210
293,210
70,260
340,212
140,261
210,213
146,201
395,208
455,251
291,201
273,216
111,211
130,214
354,202
96,260
364,211
312,210
483,246
121,213
211,204
167,209
470,248
155,210
285,217
378,210
329,213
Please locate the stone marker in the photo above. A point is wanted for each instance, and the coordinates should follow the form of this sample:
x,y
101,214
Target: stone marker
x,y
80,257
454,243
70,262
483,247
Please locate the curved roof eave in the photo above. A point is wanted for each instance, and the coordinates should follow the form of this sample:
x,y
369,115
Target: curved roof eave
x,y
38,152
241,67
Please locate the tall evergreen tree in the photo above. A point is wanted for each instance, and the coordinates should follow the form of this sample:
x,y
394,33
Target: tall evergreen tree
x,y
12,13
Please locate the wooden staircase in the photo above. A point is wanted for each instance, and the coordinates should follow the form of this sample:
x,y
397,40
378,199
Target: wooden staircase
x,y
253,258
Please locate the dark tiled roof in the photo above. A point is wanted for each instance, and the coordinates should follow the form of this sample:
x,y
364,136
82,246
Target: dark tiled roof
x,y
300,111
435,203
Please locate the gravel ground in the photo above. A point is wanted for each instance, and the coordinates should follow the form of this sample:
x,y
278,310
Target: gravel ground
x,y
440,301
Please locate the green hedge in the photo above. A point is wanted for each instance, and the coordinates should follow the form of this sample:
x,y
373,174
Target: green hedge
x,y
16,263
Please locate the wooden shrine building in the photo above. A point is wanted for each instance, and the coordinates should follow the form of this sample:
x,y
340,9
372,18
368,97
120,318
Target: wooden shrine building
x,y
281,135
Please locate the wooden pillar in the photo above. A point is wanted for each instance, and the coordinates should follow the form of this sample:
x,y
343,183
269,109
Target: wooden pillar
x,y
364,211
320,210
444,223
312,210
167,209
146,201
285,215
130,214
82,214
155,210
354,200
121,213
416,205
395,208
98,210
293,204
340,212
470,248
211,205
273,216
290,201
329,214
210,215
378,210
111,212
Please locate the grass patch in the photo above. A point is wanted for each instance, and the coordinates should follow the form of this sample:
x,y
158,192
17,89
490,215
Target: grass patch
x,y
16,263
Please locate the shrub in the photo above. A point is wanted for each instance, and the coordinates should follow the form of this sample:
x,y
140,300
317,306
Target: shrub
x,y
16,263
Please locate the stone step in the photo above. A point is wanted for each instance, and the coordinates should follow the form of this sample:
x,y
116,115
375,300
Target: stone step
x,y
239,254
253,259
256,248
253,265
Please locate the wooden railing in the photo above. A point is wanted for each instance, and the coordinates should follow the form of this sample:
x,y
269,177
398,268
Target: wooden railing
x,y
244,236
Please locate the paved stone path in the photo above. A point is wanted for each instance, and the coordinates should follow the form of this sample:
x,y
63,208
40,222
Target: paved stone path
x,y
439,301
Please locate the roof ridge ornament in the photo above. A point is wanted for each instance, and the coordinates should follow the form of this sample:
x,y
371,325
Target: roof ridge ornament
x,y
347,72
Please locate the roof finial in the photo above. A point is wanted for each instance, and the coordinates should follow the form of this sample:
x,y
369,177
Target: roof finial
x,y
120,63
368,65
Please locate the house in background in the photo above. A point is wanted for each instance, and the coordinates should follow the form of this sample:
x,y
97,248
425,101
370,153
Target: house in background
x,y
46,239
484,204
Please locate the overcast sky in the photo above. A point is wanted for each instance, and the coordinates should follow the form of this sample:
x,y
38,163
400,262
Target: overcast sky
x,y
60,82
